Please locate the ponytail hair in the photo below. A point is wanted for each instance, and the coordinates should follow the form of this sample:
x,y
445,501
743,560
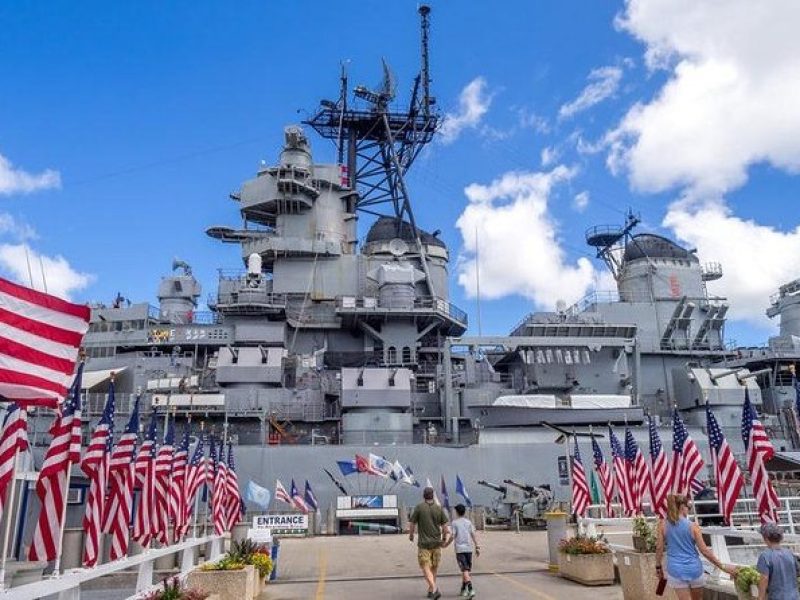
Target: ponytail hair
x,y
674,504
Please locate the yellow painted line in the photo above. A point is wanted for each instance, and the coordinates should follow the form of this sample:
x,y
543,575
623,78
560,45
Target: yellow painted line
x,y
323,567
536,593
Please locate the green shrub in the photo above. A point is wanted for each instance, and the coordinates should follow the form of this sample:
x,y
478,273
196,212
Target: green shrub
x,y
746,577
582,544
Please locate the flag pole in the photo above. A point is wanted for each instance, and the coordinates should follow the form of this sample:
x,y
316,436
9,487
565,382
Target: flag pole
x,y
9,500
60,547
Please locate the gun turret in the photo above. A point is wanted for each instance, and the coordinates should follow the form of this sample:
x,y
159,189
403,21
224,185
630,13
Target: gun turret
x,y
528,489
496,487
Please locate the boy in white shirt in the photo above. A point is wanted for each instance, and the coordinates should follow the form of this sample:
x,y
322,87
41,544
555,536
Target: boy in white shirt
x,y
464,539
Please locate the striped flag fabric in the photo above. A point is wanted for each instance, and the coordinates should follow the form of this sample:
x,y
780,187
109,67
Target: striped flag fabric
x,y
311,498
195,478
218,501
580,487
281,493
179,486
686,459
13,440
606,479
659,471
119,503
211,465
638,473
727,474
144,469
162,481
51,486
40,337
233,495
621,481
297,500
95,467
759,450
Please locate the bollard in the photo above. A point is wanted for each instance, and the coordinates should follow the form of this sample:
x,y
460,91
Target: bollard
x,y
276,543
556,531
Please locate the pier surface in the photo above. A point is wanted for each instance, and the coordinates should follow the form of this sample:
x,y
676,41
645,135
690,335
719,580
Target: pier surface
x,y
511,565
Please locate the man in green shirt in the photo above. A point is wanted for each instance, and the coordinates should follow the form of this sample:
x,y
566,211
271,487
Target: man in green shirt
x,y
430,521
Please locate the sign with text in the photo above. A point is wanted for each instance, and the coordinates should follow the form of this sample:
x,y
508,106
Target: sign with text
x,y
563,470
260,536
288,523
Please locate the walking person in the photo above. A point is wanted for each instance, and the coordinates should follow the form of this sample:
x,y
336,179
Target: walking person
x,y
464,539
777,566
684,544
429,521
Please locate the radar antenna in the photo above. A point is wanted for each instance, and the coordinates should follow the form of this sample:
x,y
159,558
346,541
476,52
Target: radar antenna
x,y
381,143
610,240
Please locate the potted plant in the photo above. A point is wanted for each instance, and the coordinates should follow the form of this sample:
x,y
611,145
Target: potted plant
x,y
586,560
637,567
230,578
173,590
747,583
249,553
644,535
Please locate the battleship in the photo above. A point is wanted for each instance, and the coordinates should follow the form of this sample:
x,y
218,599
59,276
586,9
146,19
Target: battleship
x,y
321,346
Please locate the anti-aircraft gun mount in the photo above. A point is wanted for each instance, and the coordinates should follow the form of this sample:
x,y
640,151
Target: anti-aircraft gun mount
x,y
537,501
529,502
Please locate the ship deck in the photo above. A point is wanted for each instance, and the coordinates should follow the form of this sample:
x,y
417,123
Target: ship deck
x,y
511,565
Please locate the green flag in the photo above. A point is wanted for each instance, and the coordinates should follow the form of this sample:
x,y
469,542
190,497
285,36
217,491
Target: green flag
x,y
594,488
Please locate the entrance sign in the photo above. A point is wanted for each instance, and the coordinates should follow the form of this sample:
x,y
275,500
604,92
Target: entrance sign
x,y
288,523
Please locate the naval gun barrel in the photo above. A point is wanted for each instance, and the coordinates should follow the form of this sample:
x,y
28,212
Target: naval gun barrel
x,y
528,489
496,487
741,378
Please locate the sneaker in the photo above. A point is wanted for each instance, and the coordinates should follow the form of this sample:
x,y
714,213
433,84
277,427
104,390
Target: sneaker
x,y
430,594
463,593
436,595
470,593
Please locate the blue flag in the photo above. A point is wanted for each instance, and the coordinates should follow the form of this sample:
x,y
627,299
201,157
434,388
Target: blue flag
x,y
311,499
445,495
462,491
256,494
347,467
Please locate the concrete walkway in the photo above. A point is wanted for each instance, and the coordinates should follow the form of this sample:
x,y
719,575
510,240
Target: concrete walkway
x,y
511,565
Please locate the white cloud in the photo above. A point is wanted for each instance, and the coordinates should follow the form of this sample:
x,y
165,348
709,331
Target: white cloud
x,y
603,83
581,201
518,244
732,98
19,230
17,181
62,280
473,104
549,155
755,258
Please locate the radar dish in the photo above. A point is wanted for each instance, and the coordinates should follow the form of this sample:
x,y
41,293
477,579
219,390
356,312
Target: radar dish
x,y
398,247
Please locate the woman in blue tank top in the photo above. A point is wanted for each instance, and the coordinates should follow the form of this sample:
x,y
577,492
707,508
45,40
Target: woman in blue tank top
x,y
684,543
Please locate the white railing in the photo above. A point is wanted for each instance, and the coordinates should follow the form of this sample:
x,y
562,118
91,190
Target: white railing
x,y
67,585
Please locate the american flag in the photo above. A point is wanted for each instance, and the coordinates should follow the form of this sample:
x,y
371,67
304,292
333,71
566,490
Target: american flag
x,y
13,440
195,478
211,465
659,471
51,487
726,471
638,473
281,493
95,466
179,486
39,340
606,479
232,495
580,487
164,472
117,518
686,459
621,473
144,469
759,450
219,500
311,498
297,500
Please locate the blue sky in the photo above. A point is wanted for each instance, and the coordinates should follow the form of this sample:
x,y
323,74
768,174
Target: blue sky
x,y
124,127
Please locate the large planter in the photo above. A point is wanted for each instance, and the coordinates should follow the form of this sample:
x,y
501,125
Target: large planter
x,y
637,575
588,569
229,585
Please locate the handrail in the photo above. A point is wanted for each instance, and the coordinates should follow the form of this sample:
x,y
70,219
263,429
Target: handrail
x,y
67,585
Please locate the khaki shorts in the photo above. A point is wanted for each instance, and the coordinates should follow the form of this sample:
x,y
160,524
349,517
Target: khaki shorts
x,y
429,557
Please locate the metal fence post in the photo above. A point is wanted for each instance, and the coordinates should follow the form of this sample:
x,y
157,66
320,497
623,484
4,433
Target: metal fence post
x,y
145,577
789,516
720,548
